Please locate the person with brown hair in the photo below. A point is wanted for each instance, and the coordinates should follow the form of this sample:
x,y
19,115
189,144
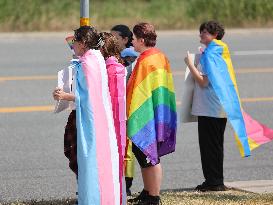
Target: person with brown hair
x,y
110,47
96,144
207,106
151,112
116,82
84,41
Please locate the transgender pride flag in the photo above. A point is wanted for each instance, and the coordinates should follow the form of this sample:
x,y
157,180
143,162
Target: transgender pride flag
x,y
97,151
217,63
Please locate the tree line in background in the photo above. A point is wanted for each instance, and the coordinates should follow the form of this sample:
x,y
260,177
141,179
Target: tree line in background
x,y
58,15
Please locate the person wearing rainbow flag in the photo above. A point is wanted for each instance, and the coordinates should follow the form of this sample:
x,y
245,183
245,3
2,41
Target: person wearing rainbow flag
x,y
151,112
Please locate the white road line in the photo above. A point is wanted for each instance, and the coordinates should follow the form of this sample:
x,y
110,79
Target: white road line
x,y
252,52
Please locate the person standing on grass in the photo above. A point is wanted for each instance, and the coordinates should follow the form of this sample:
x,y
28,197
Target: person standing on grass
x,y
207,106
124,37
97,151
117,86
151,112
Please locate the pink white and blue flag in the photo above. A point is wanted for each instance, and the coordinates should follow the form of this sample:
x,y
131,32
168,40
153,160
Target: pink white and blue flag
x,y
97,151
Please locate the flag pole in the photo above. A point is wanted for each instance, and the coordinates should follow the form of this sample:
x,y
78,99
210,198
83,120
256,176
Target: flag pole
x,y
84,13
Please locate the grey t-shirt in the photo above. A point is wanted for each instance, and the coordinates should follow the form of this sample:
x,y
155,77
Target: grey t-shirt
x,y
205,100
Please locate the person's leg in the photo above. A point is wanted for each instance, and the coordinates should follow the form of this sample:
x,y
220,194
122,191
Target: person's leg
x,y
128,183
70,142
139,156
211,139
129,162
152,177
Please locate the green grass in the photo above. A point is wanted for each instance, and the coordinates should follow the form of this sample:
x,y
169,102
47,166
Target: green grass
x,y
216,198
56,15
187,198
38,15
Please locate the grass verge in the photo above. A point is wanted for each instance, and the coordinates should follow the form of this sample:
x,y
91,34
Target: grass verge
x,y
186,198
57,15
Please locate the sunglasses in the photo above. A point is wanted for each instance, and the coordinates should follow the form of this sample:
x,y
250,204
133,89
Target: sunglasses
x,y
73,40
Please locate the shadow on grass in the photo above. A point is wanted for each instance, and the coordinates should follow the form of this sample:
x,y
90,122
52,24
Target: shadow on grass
x,y
178,190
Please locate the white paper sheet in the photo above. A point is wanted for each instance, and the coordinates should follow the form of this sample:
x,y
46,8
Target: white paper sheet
x,y
64,82
187,94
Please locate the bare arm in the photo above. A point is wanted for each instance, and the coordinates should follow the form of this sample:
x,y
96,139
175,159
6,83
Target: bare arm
x,y
59,94
200,79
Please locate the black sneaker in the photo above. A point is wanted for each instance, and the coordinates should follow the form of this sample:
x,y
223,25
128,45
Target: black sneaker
x,y
128,192
200,187
150,200
129,181
76,201
142,196
205,187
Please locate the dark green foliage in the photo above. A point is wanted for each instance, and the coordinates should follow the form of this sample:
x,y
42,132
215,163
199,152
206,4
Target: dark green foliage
x,y
54,15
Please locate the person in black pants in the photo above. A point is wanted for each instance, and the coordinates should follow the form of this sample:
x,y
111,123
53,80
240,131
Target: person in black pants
x,y
211,142
211,115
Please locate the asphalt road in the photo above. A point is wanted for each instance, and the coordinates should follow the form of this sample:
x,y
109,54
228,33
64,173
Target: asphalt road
x,y
32,164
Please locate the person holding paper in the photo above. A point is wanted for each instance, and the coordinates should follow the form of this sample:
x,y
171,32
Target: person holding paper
x,y
97,151
70,135
216,99
211,115
59,94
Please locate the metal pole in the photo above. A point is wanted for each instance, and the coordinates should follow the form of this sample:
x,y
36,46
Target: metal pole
x,y
84,15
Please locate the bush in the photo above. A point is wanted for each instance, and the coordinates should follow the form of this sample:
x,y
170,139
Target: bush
x,y
56,15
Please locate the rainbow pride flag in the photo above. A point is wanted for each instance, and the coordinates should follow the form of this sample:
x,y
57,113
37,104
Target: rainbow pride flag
x,y
97,151
69,40
216,62
151,105
116,83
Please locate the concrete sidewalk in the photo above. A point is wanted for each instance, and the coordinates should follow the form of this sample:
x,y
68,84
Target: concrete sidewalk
x,y
257,186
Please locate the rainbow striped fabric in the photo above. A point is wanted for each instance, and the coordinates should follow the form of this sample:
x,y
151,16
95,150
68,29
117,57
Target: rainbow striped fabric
x,y
69,40
151,106
216,62
97,151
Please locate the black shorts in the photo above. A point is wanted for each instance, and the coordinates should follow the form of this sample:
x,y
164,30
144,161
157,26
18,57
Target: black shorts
x,y
142,158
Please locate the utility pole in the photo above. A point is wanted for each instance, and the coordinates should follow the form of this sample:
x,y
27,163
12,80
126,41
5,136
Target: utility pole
x,y
84,14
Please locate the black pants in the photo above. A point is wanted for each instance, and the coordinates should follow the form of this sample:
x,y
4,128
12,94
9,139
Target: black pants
x,y
142,158
211,142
